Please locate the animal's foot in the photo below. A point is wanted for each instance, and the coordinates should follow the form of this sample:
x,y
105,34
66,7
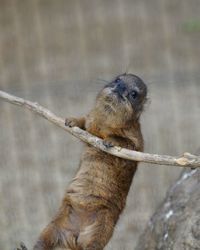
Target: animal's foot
x,y
71,122
22,247
108,144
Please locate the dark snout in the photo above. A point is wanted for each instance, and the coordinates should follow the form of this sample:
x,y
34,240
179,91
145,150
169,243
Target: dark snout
x,y
120,88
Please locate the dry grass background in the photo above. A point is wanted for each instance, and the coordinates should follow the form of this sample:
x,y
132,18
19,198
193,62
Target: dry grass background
x,y
53,52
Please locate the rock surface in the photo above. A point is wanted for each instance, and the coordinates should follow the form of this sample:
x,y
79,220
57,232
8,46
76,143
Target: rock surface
x,y
176,224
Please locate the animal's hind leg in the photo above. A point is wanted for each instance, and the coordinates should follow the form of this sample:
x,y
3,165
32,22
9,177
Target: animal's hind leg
x,y
54,238
60,232
95,236
48,239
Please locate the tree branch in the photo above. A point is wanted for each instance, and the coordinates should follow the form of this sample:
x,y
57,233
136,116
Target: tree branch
x,y
187,160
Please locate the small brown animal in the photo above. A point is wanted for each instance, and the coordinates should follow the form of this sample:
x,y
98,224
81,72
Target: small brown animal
x,y
97,195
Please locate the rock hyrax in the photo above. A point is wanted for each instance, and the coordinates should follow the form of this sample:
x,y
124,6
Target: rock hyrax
x,y
97,195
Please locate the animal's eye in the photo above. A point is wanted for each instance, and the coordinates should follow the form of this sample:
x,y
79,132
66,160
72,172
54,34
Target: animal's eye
x,y
134,94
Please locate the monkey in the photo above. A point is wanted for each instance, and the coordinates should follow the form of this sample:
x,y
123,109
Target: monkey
x,y
97,194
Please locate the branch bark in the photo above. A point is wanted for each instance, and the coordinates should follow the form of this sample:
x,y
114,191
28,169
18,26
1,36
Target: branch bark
x,y
176,224
186,160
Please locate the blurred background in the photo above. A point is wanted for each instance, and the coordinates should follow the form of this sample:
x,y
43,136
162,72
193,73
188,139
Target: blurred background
x,y
55,52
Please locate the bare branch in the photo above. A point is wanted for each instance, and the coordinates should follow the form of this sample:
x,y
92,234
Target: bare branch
x,y
187,160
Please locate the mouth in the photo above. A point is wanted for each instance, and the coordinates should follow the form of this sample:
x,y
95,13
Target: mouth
x,y
119,95
112,99
110,103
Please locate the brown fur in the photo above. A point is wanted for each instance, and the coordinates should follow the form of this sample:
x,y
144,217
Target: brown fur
x,y
97,195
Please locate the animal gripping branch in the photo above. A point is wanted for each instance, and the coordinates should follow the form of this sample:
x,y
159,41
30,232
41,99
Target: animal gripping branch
x,y
186,160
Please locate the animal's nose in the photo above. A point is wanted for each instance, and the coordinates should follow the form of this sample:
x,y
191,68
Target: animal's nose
x,y
120,88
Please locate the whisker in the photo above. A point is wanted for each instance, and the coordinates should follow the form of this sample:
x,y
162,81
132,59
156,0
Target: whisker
x,y
102,80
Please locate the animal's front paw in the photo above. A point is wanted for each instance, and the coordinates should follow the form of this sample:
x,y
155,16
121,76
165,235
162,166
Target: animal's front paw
x,y
71,122
22,247
108,144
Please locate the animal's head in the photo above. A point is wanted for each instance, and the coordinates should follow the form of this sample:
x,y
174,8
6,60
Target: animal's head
x,y
123,98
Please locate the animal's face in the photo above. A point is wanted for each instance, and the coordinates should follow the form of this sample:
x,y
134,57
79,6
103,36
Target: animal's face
x,y
124,97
